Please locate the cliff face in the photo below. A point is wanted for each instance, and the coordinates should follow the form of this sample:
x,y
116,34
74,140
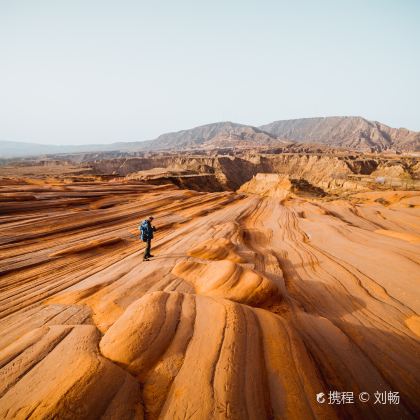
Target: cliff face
x,y
349,132
325,171
268,185
124,167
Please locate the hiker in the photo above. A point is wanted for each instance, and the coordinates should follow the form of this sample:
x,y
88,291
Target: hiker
x,y
146,235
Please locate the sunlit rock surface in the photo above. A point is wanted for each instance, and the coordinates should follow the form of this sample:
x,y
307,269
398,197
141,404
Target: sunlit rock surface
x,y
253,303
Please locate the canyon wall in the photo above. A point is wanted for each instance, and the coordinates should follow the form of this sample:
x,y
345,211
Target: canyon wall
x,y
325,171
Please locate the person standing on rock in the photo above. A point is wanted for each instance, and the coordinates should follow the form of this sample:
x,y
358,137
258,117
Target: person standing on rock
x,y
146,235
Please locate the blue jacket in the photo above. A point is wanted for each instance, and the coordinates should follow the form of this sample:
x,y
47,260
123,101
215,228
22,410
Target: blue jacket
x,y
146,231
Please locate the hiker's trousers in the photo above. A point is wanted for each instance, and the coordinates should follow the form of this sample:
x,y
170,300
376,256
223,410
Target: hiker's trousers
x,y
148,248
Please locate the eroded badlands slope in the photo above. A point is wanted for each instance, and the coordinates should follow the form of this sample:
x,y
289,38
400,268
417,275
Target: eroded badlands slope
x,y
253,304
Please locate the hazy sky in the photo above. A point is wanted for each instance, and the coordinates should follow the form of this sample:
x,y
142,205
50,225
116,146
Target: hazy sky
x,y
87,71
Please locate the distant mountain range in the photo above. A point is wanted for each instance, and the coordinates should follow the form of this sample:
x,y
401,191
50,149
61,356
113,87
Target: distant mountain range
x,y
353,133
349,132
217,135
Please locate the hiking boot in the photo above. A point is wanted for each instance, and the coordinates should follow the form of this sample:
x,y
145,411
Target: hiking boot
x,y
151,256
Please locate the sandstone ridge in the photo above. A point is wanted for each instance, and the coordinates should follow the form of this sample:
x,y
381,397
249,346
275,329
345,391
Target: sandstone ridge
x,y
256,300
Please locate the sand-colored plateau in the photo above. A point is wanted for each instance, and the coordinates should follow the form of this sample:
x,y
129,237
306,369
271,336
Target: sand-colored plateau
x,y
272,281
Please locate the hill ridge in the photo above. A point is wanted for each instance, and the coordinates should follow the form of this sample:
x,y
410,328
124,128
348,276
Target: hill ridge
x,y
350,132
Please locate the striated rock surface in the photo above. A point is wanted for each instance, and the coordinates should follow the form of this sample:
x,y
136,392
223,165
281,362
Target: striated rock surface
x,y
57,371
269,185
251,306
239,370
226,279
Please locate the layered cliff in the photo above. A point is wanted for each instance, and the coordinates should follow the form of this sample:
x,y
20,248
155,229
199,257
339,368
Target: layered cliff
x,y
328,171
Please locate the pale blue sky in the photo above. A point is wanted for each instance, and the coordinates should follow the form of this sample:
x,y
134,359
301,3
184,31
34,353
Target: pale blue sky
x,y
74,72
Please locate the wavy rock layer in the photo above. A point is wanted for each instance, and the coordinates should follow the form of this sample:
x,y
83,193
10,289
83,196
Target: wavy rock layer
x,y
250,308
226,279
188,372
58,371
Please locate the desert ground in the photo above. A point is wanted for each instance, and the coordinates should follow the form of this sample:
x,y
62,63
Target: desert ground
x,y
274,279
